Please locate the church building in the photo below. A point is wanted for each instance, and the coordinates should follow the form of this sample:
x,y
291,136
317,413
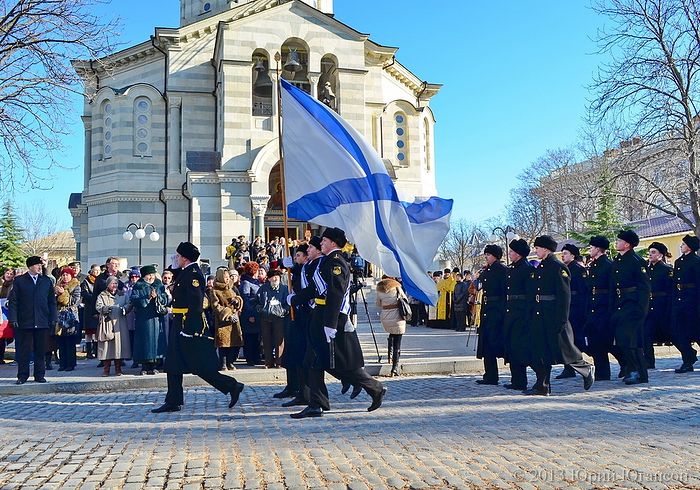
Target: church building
x,y
181,131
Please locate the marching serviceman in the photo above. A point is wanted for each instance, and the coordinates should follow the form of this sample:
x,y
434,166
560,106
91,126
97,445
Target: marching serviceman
x,y
517,319
571,255
552,338
657,328
493,311
630,294
190,348
597,331
332,337
685,314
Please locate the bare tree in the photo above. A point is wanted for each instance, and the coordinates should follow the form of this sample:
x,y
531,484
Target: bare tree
x,y
463,244
38,38
650,90
39,227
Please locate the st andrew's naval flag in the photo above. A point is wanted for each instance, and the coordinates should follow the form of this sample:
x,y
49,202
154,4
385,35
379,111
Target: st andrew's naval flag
x,y
334,178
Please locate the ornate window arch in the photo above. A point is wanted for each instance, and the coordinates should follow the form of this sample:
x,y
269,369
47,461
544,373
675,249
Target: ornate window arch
x,y
143,114
107,128
401,138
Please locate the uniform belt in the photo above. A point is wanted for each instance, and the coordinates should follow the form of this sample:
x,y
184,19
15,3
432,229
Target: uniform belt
x,y
180,311
320,301
492,298
621,291
512,297
685,286
545,297
600,291
390,307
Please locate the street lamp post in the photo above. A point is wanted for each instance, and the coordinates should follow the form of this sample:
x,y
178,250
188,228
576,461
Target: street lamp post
x,y
140,234
508,234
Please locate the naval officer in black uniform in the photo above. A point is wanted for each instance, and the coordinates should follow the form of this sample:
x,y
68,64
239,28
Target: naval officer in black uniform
x,y
332,339
190,347
657,328
685,306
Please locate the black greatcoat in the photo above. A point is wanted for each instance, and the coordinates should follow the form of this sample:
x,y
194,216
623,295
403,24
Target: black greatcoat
x,y
517,319
296,331
493,311
334,273
658,323
630,292
598,334
579,302
195,354
685,306
552,337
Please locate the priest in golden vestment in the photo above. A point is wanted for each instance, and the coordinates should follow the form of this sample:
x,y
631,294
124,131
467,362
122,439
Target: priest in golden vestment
x,y
443,310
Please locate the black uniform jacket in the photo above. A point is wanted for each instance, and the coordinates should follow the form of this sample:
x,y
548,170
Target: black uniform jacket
x,y
194,352
493,311
686,295
518,305
579,302
658,323
597,331
630,298
552,337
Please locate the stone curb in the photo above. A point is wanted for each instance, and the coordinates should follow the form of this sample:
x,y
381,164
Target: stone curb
x,y
263,376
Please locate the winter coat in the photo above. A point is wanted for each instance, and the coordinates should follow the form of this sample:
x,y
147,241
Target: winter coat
x,y
267,297
388,291
493,311
90,316
112,310
70,297
249,290
32,305
226,306
149,336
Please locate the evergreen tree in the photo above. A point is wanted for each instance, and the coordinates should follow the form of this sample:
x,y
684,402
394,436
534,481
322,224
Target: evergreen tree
x,y
606,221
11,254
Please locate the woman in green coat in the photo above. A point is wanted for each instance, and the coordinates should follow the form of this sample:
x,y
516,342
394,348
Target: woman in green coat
x,y
149,299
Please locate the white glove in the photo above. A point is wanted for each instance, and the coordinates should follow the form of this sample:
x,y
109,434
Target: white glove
x,y
289,299
330,333
287,262
185,335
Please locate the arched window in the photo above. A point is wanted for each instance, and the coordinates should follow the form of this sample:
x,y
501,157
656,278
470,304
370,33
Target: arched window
x,y
401,126
262,85
107,128
327,88
142,127
427,144
295,64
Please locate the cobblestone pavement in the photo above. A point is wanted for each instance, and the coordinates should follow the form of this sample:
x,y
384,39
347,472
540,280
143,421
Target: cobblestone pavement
x,y
432,432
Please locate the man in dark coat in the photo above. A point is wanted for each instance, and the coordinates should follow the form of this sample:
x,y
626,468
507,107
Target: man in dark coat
x,y
332,338
630,292
598,332
190,348
685,314
517,319
571,255
552,337
657,326
492,280
460,303
32,312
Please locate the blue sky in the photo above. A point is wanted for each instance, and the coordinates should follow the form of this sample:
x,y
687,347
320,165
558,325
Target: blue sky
x,y
514,75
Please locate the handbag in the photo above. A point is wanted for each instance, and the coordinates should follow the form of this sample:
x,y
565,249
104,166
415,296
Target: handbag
x,y
67,324
6,331
404,307
105,332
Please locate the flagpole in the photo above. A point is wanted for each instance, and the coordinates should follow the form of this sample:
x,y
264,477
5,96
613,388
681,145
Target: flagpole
x,y
278,57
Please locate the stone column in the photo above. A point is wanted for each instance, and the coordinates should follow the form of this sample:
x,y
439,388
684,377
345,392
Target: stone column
x,y
259,208
87,158
174,132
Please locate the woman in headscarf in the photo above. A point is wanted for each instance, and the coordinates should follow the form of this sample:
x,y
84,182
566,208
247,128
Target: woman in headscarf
x,y
226,307
149,301
67,291
113,331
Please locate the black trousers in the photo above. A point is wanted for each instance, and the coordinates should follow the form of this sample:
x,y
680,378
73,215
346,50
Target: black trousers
x,y
175,396
251,348
318,392
66,352
28,342
490,369
460,319
518,375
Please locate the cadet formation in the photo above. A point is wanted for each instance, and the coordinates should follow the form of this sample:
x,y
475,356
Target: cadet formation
x,y
550,313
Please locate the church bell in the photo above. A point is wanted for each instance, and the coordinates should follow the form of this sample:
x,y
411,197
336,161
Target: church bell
x,y
292,64
263,84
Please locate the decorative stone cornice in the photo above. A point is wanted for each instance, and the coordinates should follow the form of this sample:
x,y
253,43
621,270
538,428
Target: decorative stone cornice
x,y
78,211
172,195
220,177
120,196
